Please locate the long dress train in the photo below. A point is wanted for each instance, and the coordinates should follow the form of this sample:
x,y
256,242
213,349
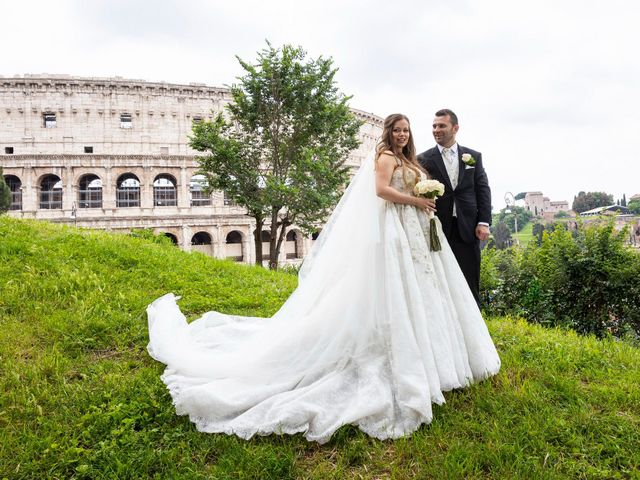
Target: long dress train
x,y
378,328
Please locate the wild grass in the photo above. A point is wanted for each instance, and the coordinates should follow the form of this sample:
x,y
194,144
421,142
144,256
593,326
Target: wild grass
x,y
80,397
525,235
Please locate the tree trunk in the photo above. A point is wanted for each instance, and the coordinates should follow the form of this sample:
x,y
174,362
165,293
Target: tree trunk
x,y
283,229
273,247
257,239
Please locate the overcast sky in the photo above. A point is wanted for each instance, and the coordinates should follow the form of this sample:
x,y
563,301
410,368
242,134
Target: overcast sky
x,y
547,90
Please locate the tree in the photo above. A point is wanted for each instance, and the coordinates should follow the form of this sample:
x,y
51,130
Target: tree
x,y
590,200
537,230
634,206
508,216
624,200
281,150
501,235
5,194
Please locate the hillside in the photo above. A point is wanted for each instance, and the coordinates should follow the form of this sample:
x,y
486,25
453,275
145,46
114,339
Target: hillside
x,y
82,399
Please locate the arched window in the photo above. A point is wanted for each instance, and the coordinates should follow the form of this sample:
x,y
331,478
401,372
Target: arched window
x,y
50,192
234,237
15,186
233,247
90,192
197,186
164,191
128,191
291,245
201,238
171,237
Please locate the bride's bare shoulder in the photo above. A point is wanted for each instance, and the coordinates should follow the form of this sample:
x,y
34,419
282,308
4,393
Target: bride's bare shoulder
x,y
388,157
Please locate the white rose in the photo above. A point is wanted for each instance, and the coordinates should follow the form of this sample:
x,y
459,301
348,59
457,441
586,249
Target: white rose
x,y
421,187
468,159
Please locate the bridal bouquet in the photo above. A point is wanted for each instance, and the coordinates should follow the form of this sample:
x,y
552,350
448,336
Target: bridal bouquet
x,y
430,189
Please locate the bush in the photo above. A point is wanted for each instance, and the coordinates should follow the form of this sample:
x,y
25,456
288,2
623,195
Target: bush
x,y
586,280
148,234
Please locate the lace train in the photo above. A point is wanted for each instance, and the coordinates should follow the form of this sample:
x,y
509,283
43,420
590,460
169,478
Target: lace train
x,y
371,339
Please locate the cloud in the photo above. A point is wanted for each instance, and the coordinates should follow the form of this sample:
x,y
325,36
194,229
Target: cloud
x,y
546,90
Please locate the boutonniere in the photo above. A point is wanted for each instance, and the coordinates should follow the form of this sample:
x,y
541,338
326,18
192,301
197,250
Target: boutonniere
x,y
468,159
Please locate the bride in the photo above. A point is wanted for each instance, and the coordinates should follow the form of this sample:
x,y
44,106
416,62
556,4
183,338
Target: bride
x,y
378,328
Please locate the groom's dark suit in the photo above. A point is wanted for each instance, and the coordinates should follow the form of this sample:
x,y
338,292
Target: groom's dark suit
x,y
472,197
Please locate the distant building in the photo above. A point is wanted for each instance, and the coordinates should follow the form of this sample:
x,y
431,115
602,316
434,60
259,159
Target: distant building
x,y
113,154
558,206
538,204
608,210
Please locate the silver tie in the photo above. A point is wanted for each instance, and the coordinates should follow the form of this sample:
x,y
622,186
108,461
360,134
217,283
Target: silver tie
x,y
452,170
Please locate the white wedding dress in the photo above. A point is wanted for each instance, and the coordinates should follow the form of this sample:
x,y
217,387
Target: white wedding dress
x,y
378,328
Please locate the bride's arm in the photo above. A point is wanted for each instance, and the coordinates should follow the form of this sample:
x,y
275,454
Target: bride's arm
x,y
384,170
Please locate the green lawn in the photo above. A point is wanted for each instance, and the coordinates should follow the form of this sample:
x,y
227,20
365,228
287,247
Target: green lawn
x,y
80,397
525,235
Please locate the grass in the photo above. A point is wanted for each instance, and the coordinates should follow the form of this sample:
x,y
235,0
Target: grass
x,y
525,235
82,399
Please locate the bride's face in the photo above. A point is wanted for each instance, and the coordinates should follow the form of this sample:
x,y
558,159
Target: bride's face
x,y
400,134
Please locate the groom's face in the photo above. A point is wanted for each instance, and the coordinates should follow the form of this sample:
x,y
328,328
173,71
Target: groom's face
x,y
444,131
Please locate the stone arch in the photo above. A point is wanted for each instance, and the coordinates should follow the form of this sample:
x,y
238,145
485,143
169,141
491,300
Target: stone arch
x,y
293,244
15,186
201,238
171,237
234,245
50,187
127,190
202,242
165,192
90,191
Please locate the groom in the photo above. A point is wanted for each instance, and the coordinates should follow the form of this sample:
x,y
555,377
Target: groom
x,y
465,208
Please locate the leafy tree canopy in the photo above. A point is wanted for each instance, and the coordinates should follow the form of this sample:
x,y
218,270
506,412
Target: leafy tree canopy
x,y
589,200
520,196
280,149
501,235
634,206
508,216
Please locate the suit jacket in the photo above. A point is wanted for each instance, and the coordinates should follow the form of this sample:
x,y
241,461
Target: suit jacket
x,y
472,195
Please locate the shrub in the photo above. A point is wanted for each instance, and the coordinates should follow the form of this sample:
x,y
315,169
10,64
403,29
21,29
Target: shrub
x,y
148,234
586,280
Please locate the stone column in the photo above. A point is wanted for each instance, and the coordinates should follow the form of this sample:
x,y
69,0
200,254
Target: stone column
x,y
146,189
68,190
183,189
186,238
30,192
218,243
109,190
248,247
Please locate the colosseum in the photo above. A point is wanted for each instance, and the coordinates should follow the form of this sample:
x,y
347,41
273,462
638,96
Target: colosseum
x,y
113,154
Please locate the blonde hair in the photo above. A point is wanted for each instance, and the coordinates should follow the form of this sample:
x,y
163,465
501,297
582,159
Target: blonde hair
x,y
406,155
